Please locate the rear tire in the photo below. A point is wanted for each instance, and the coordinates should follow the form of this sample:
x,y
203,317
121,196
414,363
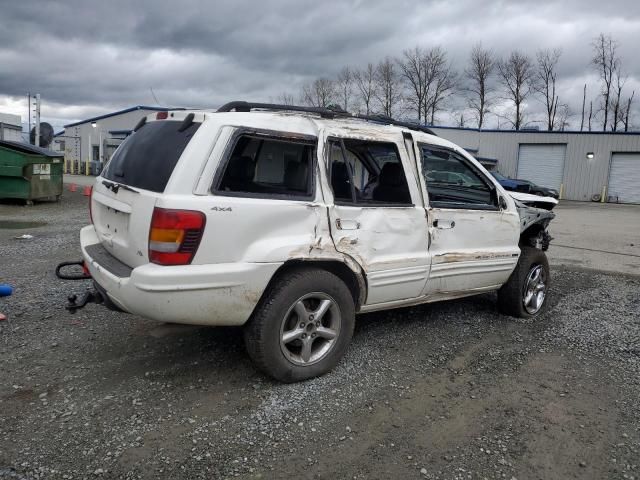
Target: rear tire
x,y
525,293
302,326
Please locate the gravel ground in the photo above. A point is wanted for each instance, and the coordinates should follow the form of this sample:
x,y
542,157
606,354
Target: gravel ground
x,y
451,390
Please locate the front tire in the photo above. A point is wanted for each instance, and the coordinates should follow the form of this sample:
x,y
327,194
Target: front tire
x,y
302,326
525,293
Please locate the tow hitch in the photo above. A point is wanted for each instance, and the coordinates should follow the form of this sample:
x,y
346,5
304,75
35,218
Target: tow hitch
x,y
90,296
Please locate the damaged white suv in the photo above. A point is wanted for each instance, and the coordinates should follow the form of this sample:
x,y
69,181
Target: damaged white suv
x,y
290,220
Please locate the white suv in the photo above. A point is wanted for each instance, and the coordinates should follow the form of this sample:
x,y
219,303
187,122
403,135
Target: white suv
x,y
290,220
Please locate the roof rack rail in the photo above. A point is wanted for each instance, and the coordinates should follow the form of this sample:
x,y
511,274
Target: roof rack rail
x,y
324,112
240,106
398,123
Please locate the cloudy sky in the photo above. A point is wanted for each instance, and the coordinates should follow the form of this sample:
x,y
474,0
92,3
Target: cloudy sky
x,y
87,58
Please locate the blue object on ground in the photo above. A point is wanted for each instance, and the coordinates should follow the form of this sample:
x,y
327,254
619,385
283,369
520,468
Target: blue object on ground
x,y
5,290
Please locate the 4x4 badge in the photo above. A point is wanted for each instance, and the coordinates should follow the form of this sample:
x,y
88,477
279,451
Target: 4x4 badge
x,y
221,209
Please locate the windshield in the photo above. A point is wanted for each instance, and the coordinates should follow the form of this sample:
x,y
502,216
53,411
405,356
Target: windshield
x,y
498,176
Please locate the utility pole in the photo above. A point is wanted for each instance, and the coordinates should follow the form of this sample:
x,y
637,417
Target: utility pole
x,y
34,108
37,120
29,109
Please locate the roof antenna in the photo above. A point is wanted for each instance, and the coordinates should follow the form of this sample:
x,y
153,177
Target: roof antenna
x,y
154,96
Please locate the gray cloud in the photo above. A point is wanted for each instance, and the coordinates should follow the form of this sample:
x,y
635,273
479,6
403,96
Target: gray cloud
x,y
88,57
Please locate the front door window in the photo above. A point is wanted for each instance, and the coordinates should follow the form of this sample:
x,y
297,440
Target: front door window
x,y
452,182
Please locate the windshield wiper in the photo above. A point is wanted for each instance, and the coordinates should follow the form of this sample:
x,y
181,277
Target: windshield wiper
x,y
114,187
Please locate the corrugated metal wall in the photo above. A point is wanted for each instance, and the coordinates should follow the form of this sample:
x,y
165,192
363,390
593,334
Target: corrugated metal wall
x,y
583,177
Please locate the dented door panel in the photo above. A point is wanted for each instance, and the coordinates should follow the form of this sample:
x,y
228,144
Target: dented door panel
x,y
389,243
480,250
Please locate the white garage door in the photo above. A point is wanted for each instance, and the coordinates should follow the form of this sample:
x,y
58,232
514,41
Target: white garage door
x,y
542,164
624,177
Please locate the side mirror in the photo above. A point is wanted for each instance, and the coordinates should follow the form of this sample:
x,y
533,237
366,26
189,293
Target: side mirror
x,y
502,203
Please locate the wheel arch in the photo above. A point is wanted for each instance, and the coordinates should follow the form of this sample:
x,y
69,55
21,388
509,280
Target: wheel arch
x,y
354,280
535,236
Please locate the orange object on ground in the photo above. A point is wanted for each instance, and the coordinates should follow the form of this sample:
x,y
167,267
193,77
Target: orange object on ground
x,y
73,187
86,191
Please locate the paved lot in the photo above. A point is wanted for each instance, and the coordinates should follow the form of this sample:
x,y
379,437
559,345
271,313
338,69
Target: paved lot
x,y
453,390
599,236
82,180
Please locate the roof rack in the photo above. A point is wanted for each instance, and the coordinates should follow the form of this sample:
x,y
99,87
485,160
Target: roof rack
x,y
324,112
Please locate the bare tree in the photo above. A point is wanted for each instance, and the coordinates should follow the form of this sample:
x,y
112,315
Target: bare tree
x,y
617,109
430,80
544,82
412,66
563,113
444,84
605,60
434,63
286,99
319,93
388,91
627,111
515,74
344,84
365,81
590,113
477,74
584,99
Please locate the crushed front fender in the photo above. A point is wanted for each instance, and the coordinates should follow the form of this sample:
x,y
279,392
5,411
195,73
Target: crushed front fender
x,y
534,223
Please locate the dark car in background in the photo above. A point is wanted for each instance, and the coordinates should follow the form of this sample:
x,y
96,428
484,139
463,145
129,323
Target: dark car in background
x,y
540,190
512,184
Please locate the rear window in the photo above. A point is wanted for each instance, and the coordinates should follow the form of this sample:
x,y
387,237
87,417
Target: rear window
x,y
147,158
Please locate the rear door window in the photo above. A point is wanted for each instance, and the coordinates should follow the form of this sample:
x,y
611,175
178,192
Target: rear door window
x,y
269,167
364,172
147,157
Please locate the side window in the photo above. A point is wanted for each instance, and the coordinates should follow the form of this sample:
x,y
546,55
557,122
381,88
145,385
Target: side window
x,y
364,172
269,167
452,182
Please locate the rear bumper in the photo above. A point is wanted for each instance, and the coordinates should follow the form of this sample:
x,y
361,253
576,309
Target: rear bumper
x,y
218,294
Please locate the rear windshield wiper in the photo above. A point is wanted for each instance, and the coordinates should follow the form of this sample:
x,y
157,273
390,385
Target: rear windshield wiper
x,y
114,187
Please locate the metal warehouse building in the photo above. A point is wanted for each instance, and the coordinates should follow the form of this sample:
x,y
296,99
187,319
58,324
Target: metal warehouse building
x,y
580,165
10,127
94,140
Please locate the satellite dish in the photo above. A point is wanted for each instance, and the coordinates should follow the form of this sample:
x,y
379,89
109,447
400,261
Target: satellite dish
x,y
46,135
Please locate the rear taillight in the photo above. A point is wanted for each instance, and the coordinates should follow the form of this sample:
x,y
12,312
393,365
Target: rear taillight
x,y
175,235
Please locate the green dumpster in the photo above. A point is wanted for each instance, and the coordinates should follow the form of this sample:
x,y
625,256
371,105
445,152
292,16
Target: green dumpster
x,y
29,172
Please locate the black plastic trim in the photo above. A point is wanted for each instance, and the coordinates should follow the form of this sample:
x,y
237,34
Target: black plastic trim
x,y
140,124
107,261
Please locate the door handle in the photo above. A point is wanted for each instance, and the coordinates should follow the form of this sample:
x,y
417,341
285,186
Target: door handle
x,y
443,224
347,224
